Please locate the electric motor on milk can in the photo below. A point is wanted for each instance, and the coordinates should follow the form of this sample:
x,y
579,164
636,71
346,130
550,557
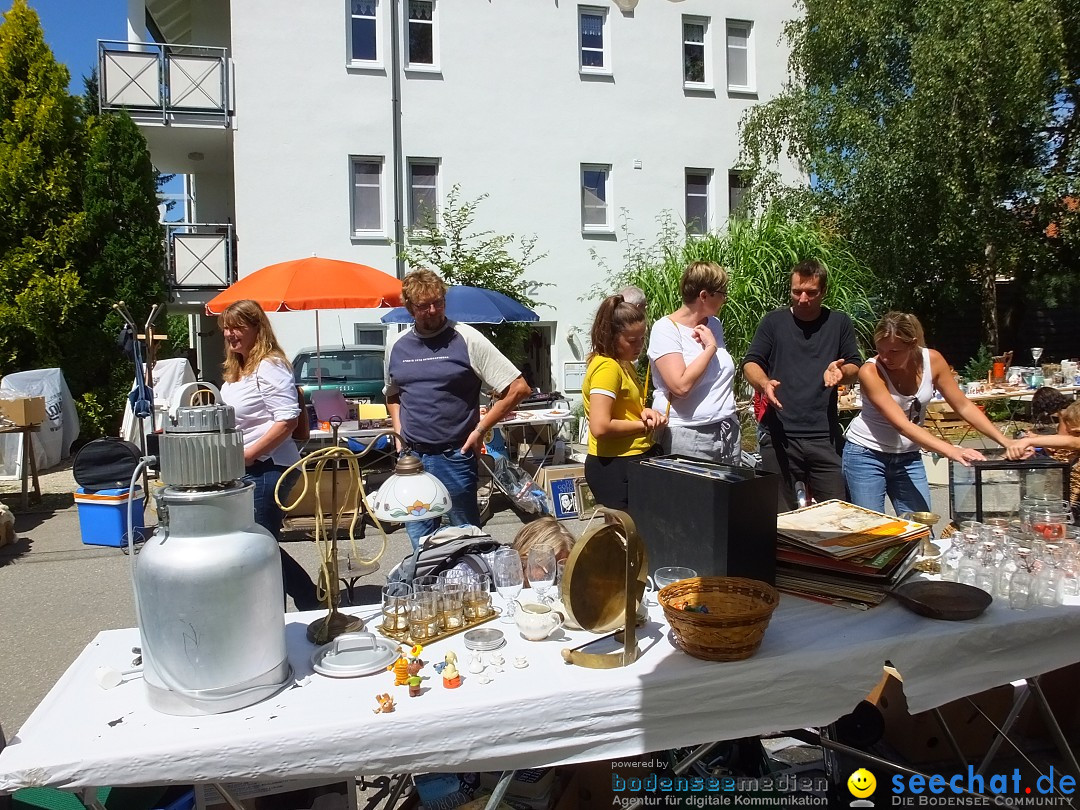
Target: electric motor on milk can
x,y
208,583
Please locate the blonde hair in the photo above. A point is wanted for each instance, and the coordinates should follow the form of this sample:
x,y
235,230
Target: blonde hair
x,y
702,277
544,532
420,284
1071,415
903,326
249,313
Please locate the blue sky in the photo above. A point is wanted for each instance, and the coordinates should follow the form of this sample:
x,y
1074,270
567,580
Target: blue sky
x,y
73,27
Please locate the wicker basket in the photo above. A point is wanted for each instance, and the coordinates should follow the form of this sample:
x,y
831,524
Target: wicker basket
x,y
739,612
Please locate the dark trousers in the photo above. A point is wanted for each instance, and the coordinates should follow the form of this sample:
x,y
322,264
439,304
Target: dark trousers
x,y
298,584
608,477
812,460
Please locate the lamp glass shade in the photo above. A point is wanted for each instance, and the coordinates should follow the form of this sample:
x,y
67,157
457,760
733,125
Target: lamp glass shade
x,y
415,496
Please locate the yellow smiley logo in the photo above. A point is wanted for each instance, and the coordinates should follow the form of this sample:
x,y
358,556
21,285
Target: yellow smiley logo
x,y
862,783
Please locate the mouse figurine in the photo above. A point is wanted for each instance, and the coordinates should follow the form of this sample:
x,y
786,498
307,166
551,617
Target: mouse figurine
x,y
386,704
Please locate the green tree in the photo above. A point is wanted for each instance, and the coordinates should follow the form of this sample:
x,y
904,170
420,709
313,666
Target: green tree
x,y
41,224
123,253
941,138
759,253
447,244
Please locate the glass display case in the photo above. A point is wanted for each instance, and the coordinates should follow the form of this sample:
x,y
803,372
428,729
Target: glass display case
x,y
995,487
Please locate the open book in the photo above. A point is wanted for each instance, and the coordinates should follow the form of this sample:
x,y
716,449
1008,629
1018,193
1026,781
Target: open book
x,y
842,530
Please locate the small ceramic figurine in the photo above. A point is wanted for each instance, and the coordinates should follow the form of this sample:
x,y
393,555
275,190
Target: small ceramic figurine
x,y
497,659
414,680
476,665
521,662
386,704
451,678
400,667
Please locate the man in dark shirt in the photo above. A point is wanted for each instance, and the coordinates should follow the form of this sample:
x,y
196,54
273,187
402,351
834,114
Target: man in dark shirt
x,y
797,358
435,376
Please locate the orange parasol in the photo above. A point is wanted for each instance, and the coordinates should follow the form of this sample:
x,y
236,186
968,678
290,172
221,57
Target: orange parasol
x,y
312,283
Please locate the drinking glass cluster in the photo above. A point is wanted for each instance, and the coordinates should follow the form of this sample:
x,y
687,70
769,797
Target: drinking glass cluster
x,y
434,605
1033,559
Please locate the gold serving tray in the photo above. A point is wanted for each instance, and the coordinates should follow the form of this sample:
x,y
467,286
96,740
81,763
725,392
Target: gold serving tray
x,y
404,637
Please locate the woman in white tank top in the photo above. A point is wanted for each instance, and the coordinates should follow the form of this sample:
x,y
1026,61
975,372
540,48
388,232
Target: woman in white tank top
x,y
882,455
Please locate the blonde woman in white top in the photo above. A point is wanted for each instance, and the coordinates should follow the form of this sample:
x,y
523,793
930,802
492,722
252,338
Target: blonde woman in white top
x,y
259,386
693,372
882,455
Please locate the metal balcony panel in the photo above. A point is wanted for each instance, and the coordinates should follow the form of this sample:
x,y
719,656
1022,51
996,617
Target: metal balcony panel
x,y
170,85
200,256
130,79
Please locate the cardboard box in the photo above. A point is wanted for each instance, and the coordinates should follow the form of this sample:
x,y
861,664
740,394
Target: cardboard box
x,y
23,410
919,738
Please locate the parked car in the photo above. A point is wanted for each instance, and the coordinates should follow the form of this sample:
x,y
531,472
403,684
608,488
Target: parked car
x,y
356,371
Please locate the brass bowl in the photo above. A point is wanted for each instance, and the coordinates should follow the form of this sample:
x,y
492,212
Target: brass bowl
x,y
925,518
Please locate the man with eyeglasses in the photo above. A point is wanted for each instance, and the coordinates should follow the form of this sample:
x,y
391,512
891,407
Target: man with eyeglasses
x,y
798,356
436,373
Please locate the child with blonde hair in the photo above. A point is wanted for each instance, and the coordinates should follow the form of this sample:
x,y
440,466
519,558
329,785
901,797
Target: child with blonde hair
x,y
544,532
1063,446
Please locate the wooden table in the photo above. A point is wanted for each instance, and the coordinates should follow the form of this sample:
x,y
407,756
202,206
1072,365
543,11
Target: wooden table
x,y
29,462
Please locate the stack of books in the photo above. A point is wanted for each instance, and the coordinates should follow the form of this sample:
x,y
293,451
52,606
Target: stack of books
x,y
840,553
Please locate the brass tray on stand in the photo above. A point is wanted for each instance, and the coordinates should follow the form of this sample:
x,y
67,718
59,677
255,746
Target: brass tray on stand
x,y
403,636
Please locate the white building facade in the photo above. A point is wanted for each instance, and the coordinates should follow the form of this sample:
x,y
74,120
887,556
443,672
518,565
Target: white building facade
x,y
566,114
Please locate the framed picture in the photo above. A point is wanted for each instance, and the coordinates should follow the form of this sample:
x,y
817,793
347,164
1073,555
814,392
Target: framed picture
x,y
585,501
564,499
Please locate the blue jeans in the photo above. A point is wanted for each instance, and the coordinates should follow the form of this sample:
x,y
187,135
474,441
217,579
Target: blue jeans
x,y
460,475
298,584
871,475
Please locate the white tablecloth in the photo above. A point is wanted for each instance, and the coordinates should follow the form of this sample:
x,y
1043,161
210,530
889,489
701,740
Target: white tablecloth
x,y
815,664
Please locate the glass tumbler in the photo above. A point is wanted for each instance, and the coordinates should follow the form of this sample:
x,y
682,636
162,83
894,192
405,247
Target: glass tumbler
x,y
451,605
423,615
477,598
395,608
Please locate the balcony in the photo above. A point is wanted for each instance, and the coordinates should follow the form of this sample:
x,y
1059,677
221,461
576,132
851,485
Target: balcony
x,y
180,95
199,256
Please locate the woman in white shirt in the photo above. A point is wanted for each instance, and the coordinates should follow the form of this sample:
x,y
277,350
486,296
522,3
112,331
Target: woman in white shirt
x,y
259,386
693,371
882,455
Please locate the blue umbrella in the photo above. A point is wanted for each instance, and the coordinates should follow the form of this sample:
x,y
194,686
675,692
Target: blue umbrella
x,y
473,305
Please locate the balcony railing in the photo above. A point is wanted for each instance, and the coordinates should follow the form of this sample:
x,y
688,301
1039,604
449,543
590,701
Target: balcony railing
x,y
200,256
188,83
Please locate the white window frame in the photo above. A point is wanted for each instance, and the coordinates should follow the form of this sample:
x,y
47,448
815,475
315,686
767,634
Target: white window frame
x,y
608,226
421,67
605,48
412,214
706,45
749,52
377,62
707,225
368,233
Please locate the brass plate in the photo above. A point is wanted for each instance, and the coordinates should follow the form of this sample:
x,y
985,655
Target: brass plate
x,y
405,638
594,583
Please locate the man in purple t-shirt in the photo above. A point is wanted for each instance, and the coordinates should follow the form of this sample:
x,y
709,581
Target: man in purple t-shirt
x,y
436,373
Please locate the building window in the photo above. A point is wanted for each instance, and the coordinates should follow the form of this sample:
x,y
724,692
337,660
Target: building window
x,y
367,195
367,335
740,61
421,32
595,198
363,31
423,193
696,68
738,187
697,200
592,40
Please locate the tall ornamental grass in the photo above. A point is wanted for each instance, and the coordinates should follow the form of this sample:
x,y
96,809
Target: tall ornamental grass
x,y
759,254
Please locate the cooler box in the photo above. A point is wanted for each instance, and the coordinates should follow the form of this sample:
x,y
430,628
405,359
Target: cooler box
x,y
103,516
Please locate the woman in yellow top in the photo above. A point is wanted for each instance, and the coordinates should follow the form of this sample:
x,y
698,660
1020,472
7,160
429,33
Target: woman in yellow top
x,y
620,428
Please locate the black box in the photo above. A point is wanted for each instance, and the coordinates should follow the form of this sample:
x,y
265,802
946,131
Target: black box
x,y
717,526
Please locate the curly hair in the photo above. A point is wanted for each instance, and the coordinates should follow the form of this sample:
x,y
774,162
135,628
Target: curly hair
x,y
1046,402
421,284
249,313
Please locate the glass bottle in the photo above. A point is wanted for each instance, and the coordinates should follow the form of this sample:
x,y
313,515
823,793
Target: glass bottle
x,y
1022,583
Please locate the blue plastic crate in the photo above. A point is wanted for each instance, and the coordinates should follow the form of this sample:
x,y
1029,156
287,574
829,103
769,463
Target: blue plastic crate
x,y
103,516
